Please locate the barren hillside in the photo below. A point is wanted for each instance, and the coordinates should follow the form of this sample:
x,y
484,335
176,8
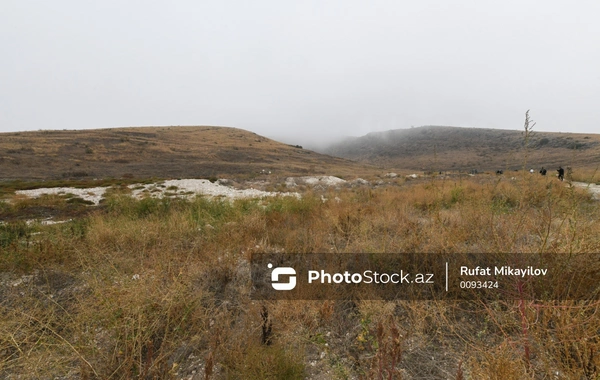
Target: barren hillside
x,y
167,152
453,148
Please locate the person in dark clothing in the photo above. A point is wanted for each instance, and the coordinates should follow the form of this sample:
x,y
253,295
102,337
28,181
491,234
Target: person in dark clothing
x,y
543,171
561,173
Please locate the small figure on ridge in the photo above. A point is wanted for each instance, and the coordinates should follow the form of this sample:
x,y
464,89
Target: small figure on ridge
x,y
561,173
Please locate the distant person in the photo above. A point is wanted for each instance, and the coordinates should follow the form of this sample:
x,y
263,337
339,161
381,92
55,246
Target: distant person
x,y
543,171
561,173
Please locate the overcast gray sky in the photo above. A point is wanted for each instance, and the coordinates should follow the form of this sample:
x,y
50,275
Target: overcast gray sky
x,y
300,69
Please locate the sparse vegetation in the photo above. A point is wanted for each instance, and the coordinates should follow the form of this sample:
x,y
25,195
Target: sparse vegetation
x,y
176,152
158,288
434,148
9,187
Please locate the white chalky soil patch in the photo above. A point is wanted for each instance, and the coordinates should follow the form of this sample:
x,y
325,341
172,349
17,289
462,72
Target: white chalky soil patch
x,y
200,186
185,188
313,181
592,187
94,194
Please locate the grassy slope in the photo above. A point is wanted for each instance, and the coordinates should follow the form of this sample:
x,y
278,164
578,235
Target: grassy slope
x,y
71,304
452,148
164,152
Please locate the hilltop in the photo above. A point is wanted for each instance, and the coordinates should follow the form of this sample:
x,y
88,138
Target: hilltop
x,y
455,148
164,152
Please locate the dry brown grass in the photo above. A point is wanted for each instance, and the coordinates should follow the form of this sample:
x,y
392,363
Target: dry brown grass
x,y
434,148
160,288
162,152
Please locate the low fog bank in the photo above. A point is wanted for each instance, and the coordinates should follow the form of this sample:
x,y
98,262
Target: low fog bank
x,y
317,142
326,142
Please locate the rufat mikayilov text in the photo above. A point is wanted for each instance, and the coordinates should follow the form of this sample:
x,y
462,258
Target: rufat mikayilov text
x,y
369,277
505,270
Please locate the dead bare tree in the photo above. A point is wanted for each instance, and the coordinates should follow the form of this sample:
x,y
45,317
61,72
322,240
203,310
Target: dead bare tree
x,y
527,135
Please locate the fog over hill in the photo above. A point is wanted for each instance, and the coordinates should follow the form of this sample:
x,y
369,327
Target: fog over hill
x,y
455,148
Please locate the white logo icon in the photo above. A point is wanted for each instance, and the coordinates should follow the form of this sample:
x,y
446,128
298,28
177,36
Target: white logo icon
x,y
283,271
